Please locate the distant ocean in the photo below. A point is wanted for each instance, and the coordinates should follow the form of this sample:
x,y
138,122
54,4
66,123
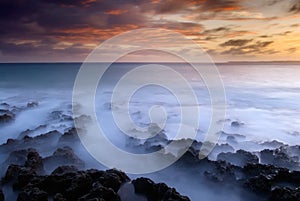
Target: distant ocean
x,y
264,97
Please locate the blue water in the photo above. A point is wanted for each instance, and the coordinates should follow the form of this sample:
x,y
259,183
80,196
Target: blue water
x,y
264,97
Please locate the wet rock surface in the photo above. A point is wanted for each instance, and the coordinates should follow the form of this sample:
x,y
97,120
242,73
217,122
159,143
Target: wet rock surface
x,y
55,171
1,195
69,183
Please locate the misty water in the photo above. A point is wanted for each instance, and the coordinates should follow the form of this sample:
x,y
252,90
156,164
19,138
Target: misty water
x,y
262,99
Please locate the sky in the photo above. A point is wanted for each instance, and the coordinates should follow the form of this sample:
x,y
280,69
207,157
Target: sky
x,y
228,30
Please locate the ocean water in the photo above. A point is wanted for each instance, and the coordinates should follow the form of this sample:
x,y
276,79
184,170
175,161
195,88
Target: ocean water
x,y
264,100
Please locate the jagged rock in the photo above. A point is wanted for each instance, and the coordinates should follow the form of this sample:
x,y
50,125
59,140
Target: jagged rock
x,y
6,116
32,104
2,198
236,124
34,161
69,136
285,194
279,158
101,193
34,194
59,197
240,158
64,169
65,183
29,131
6,105
273,144
155,192
261,183
220,171
61,157
126,193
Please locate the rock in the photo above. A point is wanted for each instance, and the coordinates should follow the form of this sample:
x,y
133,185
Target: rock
x,y
34,161
280,158
155,192
64,169
2,198
34,194
17,157
220,171
285,194
100,192
62,157
6,116
59,197
6,105
32,104
240,158
236,124
69,137
126,193
273,144
260,184
146,187
29,131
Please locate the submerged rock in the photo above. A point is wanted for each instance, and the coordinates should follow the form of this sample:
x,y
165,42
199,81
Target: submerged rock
x,y
32,104
237,124
6,116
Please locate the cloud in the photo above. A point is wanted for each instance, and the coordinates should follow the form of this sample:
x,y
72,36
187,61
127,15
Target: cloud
x,y
295,7
221,5
242,47
238,42
171,6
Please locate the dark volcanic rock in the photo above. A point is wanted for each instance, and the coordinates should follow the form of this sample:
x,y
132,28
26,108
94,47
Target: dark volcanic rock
x,y
285,194
155,192
67,183
63,156
240,158
34,194
282,157
236,124
221,171
6,116
34,161
29,131
2,198
69,136
32,104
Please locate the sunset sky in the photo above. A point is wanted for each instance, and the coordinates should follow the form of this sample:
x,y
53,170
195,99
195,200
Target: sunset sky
x,y
229,30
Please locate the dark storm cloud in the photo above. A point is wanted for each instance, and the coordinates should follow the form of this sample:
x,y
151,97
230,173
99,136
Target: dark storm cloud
x,y
39,25
71,2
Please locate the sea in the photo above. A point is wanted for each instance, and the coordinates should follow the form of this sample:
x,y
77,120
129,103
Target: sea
x,y
262,102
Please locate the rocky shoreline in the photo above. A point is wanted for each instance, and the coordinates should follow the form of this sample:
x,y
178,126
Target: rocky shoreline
x,y
46,166
68,183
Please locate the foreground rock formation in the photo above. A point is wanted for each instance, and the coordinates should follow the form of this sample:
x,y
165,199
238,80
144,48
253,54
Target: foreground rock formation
x,y
68,183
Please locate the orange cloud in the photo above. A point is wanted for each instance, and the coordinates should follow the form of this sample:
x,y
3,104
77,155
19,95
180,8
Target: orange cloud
x,y
116,12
